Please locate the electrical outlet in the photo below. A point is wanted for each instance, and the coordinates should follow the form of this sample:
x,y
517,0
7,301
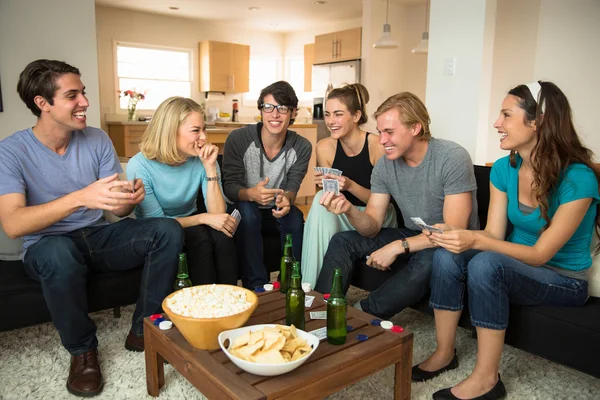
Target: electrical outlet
x,y
450,66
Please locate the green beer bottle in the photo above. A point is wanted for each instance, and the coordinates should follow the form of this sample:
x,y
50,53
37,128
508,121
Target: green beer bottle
x,y
183,279
294,300
336,311
285,267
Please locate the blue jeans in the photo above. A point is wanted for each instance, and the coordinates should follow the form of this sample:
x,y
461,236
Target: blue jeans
x,y
249,242
62,263
493,281
405,288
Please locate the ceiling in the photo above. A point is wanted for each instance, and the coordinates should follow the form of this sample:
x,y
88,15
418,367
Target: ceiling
x,y
276,16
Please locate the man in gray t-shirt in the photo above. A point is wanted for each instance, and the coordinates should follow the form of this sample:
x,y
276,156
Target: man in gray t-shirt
x,y
429,178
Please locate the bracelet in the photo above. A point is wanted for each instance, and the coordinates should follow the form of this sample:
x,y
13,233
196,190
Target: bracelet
x,y
213,178
406,246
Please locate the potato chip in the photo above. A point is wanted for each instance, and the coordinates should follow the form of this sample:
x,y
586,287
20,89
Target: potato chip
x,y
271,345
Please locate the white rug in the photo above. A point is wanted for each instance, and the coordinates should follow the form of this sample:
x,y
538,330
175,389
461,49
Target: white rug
x,y
34,365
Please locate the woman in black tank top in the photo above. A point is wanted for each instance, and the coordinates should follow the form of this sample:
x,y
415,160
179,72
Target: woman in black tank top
x,y
354,152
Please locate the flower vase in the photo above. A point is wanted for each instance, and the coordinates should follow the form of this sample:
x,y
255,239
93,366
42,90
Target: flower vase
x,y
131,113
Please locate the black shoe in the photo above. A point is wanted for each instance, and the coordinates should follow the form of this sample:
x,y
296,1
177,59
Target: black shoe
x,y
497,392
419,375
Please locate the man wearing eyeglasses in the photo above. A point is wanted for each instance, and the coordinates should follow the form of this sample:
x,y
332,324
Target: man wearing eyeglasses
x,y
263,167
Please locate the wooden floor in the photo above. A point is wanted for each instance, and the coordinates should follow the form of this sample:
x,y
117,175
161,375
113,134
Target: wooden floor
x,y
303,203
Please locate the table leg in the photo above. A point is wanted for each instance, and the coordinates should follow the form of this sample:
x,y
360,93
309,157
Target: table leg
x,y
403,373
155,375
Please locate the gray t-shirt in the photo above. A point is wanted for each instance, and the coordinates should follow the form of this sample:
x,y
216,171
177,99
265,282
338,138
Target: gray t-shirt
x,y
420,191
28,167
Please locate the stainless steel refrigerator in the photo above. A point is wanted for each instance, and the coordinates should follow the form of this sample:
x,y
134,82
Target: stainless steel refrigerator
x,y
326,77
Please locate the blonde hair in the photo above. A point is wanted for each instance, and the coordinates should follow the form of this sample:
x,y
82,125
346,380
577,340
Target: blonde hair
x,y
159,141
412,111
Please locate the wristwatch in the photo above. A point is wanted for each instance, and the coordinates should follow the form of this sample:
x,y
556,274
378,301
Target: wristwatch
x,y
213,178
406,246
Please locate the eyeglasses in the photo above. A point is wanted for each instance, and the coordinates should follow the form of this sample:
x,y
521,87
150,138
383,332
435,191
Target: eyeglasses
x,y
268,108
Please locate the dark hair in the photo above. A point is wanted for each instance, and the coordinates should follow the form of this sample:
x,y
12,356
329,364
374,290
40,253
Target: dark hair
x,y
558,144
39,79
283,93
411,110
355,97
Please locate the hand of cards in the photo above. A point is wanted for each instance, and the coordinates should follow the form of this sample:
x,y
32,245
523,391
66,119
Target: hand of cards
x,y
238,217
328,171
419,222
330,185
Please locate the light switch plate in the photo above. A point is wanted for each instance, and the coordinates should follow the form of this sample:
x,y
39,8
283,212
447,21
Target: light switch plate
x,y
450,66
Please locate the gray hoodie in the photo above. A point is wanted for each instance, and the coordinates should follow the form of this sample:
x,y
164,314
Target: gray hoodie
x,y
245,162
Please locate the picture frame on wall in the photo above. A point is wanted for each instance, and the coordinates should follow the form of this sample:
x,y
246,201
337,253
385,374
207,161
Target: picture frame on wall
x,y
1,107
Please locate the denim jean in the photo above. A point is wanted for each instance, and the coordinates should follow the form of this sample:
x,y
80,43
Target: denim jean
x,y
494,280
405,288
62,263
211,256
249,241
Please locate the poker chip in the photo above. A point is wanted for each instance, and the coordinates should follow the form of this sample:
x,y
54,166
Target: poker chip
x,y
154,317
376,322
259,290
386,324
158,321
165,325
276,285
397,329
349,328
361,337
326,296
268,287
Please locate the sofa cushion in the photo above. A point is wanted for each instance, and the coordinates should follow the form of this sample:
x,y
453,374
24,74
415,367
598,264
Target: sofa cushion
x,y
10,249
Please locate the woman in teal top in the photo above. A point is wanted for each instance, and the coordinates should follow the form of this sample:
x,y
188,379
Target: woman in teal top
x,y
175,162
548,190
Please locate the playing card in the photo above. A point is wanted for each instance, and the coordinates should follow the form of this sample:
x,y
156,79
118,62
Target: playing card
x,y
320,333
308,300
335,171
331,185
418,221
318,315
133,184
238,217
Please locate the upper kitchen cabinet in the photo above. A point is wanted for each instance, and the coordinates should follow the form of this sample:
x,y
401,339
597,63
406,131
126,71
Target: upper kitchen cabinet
x,y
224,67
338,46
309,60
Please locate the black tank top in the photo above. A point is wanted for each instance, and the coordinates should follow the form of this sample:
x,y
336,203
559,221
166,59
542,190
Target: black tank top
x,y
357,168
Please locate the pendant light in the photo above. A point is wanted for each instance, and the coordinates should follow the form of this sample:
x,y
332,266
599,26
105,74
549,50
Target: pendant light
x,y
423,46
386,41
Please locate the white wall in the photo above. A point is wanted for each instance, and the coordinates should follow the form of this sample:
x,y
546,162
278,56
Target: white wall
x,y
459,104
515,49
568,54
32,29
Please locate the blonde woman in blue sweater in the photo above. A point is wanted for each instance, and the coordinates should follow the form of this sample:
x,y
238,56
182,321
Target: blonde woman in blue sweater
x,y
175,162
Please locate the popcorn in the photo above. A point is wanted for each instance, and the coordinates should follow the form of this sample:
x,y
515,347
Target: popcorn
x,y
209,301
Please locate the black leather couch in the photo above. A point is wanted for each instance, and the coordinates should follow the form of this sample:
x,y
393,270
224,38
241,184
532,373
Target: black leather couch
x,y
566,335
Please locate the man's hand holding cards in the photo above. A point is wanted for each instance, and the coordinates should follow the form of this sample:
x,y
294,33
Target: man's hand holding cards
x,y
420,223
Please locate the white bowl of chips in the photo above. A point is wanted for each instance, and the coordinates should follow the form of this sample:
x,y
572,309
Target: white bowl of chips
x,y
268,349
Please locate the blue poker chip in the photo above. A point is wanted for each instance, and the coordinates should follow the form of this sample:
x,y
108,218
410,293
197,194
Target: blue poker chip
x,y
376,322
259,290
158,321
349,328
361,337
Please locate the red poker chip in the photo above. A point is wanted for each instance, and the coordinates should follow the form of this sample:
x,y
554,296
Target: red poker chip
x,y
154,317
397,329
326,296
276,285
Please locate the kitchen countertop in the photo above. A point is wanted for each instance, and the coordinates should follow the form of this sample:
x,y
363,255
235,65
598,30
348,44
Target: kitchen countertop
x,y
214,127
240,124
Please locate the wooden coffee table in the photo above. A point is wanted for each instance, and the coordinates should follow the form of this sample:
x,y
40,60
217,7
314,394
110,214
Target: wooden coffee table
x,y
328,370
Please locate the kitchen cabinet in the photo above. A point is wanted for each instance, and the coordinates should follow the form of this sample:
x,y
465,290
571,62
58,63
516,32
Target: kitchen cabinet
x,y
309,60
338,46
224,67
126,137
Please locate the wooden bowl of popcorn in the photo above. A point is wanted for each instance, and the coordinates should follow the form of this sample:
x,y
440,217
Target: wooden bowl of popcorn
x,y
202,312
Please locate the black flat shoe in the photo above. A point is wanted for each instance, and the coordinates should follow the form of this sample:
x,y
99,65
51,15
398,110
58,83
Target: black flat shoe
x,y
419,375
497,392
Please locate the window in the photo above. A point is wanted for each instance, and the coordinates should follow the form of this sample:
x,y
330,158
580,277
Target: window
x,y
161,72
263,72
295,76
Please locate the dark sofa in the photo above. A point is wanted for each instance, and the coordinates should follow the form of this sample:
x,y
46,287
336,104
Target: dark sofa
x,y
566,335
